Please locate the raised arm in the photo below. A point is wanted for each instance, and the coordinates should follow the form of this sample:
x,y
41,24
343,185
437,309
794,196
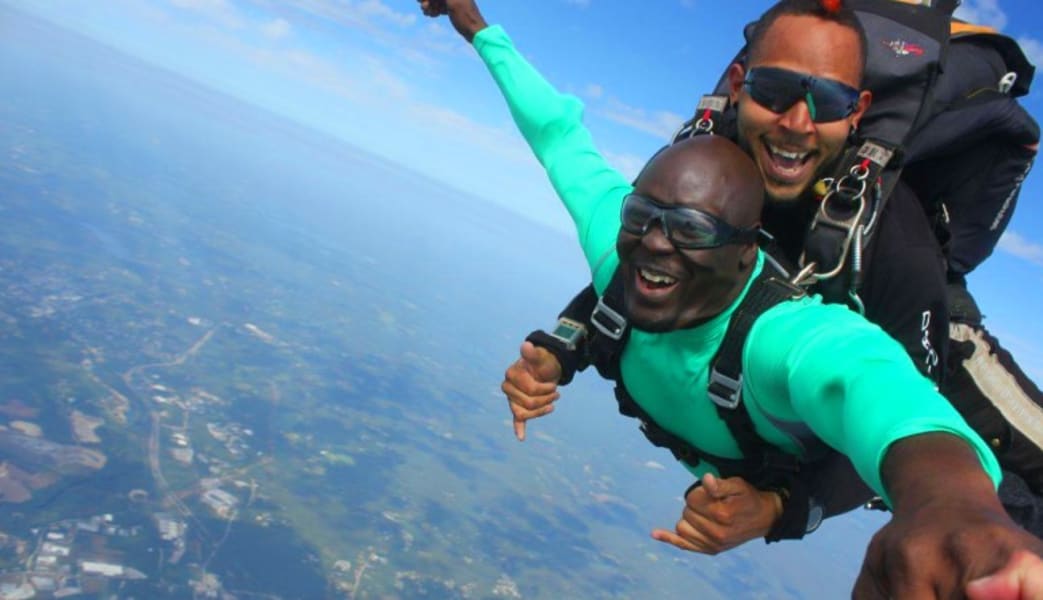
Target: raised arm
x,y
551,123
467,20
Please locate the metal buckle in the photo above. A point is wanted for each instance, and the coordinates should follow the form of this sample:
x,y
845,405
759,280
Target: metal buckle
x,y
615,324
847,226
732,386
793,289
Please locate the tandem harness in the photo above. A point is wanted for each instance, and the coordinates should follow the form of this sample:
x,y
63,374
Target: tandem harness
x,y
607,331
849,204
593,330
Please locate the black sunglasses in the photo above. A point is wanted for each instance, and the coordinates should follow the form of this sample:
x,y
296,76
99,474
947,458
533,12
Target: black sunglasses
x,y
687,228
778,89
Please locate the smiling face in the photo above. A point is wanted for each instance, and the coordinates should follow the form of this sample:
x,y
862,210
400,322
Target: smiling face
x,y
790,149
668,288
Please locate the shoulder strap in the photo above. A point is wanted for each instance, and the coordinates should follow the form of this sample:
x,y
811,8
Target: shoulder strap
x,y
762,464
725,385
714,115
682,450
609,330
907,47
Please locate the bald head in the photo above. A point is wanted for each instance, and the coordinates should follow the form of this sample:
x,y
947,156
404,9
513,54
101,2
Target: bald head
x,y
708,172
668,287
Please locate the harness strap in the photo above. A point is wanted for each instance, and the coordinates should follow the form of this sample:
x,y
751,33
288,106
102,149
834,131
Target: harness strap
x,y
682,450
610,330
712,117
725,386
843,223
574,359
762,464
846,218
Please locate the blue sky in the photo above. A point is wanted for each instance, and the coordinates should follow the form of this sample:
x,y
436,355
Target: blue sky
x,y
383,77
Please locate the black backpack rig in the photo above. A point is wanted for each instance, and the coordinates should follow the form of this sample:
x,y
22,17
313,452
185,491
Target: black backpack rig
x,y
945,119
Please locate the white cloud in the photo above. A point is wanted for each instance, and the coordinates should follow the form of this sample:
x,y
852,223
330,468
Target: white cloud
x,y
376,8
439,39
661,124
364,14
367,78
983,12
1033,49
594,91
276,28
627,164
1013,243
219,11
371,15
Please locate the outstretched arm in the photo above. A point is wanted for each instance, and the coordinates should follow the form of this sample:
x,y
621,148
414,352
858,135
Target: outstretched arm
x,y
853,386
948,527
552,124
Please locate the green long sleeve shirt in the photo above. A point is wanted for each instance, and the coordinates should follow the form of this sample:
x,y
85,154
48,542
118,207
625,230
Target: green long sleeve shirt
x,y
805,363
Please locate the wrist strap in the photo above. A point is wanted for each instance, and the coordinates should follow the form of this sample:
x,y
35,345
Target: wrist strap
x,y
793,523
570,360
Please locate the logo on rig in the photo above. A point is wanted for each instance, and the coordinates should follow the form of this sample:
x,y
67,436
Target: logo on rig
x,y
904,48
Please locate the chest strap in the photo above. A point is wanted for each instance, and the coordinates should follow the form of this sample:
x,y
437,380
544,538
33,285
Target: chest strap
x,y
762,463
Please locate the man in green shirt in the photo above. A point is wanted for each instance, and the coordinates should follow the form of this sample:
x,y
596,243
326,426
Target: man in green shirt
x,y
685,249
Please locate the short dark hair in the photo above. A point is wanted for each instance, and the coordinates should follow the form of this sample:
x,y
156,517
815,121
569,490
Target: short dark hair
x,y
840,14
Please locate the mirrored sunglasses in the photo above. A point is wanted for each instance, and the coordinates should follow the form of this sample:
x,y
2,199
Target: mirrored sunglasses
x,y
779,89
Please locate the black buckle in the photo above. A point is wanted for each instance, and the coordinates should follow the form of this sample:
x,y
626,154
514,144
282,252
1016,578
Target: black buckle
x,y
725,391
608,321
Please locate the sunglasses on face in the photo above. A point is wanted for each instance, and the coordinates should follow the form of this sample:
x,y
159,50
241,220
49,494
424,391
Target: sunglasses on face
x,y
779,89
686,228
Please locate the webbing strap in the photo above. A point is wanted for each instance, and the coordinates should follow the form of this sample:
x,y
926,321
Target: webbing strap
x,y
725,385
609,329
845,219
714,115
762,464
682,450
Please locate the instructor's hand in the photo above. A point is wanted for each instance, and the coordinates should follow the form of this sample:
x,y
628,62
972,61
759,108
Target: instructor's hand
x,y
531,385
463,14
721,514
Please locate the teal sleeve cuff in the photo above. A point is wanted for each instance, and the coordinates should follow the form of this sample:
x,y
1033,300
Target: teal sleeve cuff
x,y
491,34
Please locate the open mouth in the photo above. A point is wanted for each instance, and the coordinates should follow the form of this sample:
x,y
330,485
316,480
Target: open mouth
x,y
787,165
656,280
654,283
